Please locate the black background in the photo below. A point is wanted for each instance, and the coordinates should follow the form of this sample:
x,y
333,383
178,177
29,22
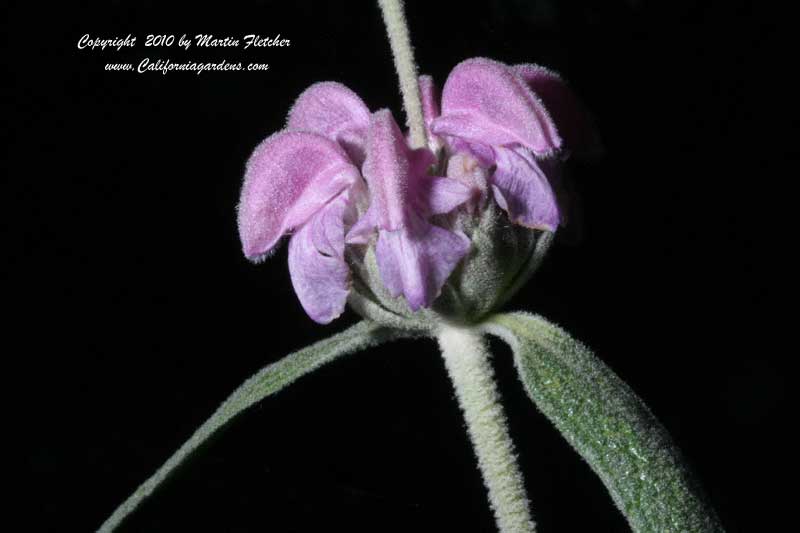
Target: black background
x,y
138,314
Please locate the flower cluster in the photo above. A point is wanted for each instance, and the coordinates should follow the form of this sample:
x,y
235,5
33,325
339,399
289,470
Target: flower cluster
x,y
341,178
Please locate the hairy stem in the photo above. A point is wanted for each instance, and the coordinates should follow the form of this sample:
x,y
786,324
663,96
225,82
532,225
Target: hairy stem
x,y
467,360
396,27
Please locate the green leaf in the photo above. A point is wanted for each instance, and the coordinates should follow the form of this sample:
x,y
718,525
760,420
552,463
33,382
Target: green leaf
x,y
268,380
608,425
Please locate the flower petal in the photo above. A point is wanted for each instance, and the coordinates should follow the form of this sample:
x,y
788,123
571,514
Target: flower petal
x,y
486,101
289,177
414,256
430,98
437,196
416,260
317,266
570,115
467,169
387,170
472,128
522,189
482,152
332,110
430,108
362,229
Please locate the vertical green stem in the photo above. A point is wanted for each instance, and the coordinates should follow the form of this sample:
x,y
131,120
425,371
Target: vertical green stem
x,y
396,27
467,360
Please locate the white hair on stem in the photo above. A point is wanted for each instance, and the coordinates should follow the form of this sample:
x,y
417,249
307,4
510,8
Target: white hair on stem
x,y
396,27
467,360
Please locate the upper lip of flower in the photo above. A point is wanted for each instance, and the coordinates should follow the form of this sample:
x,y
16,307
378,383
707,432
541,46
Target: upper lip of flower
x,y
486,101
496,104
289,178
504,115
333,110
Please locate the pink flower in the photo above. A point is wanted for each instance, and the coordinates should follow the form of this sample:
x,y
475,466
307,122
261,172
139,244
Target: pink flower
x,y
304,183
305,180
339,176
505,117
415,257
